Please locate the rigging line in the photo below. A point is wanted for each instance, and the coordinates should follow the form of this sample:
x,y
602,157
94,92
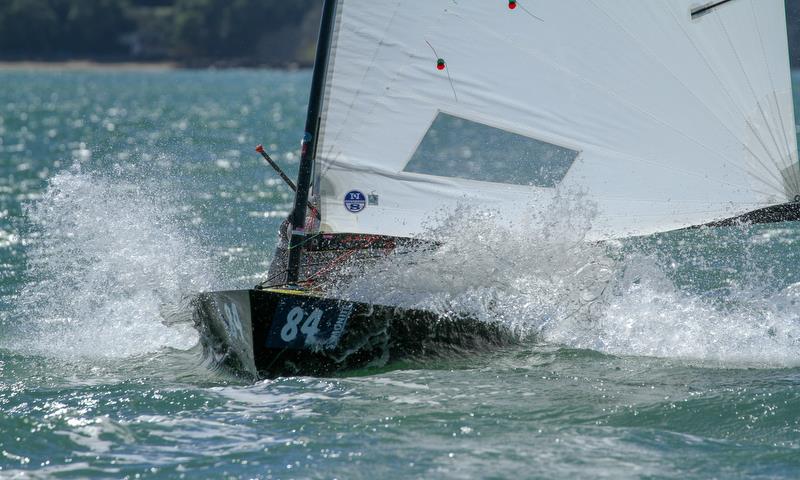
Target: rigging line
x,y
686,87
308,239
269,279
626,102
338,261
529,12
750,85
727,94
452,86
778,109
446,68
433,49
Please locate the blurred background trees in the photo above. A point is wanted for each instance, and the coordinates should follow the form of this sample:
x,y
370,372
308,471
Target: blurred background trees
x,y
28,26
191,32
195,32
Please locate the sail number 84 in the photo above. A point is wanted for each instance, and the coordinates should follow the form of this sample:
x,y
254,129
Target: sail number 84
x,y
309,328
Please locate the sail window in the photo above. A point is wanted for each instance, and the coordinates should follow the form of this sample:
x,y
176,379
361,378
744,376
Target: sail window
x,y
698,12
460,148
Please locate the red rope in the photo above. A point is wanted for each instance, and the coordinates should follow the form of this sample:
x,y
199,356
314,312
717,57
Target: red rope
x,y
341,259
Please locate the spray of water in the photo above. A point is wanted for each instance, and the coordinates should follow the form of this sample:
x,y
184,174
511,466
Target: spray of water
x,y
649,315
107,254
544,280
525,274
105,257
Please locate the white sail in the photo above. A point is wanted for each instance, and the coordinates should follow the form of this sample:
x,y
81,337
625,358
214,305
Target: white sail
x,y
662,114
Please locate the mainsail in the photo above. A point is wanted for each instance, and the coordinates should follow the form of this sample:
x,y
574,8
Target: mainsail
x,y
656,114
661,114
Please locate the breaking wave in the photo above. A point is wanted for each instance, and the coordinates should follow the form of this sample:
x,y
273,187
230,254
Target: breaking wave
x,y
106,258
665,296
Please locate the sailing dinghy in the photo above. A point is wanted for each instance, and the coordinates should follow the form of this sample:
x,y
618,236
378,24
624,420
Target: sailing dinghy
x,y
660,115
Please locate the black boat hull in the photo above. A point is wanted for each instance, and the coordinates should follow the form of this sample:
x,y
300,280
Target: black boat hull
x,y
273,332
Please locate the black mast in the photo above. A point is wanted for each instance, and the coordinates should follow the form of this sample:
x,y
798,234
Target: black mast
x,y
309,145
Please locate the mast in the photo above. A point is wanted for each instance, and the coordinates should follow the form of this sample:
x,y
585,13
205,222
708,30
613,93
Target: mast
x,y
309,144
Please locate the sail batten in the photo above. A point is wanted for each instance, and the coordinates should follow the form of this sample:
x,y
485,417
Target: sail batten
x,y
677,117
704,9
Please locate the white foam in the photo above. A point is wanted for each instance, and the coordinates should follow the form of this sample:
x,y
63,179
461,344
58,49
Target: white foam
x,y
525,275
106,254
650,316
544,280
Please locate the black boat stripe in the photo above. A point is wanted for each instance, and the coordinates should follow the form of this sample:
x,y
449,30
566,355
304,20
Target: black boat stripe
x,y
785,212
699,11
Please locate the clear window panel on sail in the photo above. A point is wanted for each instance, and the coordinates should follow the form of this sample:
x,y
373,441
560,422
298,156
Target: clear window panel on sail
x,y
461,148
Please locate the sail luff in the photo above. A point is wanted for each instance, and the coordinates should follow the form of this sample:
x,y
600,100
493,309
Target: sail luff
x,y
310,141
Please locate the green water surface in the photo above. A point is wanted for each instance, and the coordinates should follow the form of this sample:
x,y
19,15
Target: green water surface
x,y
156,192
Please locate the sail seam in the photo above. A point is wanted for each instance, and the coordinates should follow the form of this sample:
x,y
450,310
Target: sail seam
x,y
634,107
764,117
672,73
793,171
731,99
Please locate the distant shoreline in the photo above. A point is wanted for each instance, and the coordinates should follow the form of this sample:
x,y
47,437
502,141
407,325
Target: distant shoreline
x,y
86,65
96,65
124,65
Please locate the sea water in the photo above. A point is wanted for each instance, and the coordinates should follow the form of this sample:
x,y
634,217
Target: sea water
x,y
674,356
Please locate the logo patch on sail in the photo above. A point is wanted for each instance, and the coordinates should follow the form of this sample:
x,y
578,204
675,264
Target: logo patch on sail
x,y
355,201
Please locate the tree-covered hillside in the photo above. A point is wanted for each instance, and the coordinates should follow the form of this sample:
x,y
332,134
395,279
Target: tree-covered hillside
x,y
195,32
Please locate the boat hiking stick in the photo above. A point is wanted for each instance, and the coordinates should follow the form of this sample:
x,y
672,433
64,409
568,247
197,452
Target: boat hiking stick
x,y
277,168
